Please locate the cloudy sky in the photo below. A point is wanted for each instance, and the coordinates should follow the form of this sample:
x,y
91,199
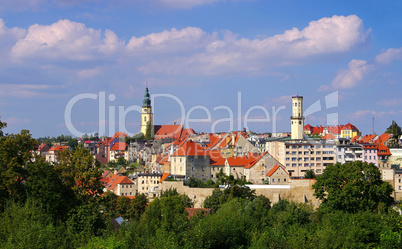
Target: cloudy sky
x,y
81,66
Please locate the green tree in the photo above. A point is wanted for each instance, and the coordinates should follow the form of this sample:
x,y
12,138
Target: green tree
x,y
123,205
80,172
352,187
309,174
15,154
28,226
396,132
148,132
45,186
72,143
2,126
138,205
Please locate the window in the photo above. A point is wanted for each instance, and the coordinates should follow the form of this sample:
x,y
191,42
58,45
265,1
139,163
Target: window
x,y
287,158
273,180
145,118
122,186
192,168
284,179
181,168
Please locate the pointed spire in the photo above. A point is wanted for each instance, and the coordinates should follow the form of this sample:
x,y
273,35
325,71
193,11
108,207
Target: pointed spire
x,y
147,100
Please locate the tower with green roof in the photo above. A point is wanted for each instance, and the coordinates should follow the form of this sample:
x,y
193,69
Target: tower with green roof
x,y
146,113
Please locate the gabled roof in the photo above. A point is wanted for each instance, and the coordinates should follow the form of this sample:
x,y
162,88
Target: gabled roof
x,y
349,126
216,158
119,180
328,136
119,134
58,148
119,146
164,177
383,138
167,131
383,150
256,160
308,127
190,148
334,129
242,161
274,169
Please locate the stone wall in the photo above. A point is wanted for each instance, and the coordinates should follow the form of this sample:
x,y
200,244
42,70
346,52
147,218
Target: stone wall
x,y
298,191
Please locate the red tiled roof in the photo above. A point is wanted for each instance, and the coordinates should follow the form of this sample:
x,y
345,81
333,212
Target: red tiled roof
x,y
119,134
334,129
383,150
308,127
328,136
119,180
216,158
164,160
367,139
168,131
383,138
58,148
164,177
349,126
272,170
255,161
242,161
190,148
119,146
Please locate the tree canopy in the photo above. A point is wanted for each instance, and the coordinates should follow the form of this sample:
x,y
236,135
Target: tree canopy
x,y
352,187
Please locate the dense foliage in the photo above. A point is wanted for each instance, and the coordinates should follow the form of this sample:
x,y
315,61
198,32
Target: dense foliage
x,y
353,187
61,205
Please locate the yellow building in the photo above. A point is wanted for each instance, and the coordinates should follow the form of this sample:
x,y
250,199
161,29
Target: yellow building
x,y
146,114
349,131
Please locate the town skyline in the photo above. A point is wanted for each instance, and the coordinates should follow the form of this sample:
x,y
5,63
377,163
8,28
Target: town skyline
x,y
202,52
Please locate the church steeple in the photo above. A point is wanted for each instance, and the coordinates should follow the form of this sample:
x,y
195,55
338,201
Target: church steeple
x,y
146,113
147,100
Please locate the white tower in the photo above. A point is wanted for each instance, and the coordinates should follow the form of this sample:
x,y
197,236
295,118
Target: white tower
x,y
297,119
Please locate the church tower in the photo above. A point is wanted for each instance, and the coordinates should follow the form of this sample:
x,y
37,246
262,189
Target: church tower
x,y
146,113
297,119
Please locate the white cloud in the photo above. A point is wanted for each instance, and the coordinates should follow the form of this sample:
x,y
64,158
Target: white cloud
x,y
65,40
348,78
389,55
191,50
88,73
22,91
363,114
172,41
232,55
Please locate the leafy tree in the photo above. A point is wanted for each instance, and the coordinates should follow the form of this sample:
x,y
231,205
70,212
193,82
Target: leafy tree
x,y
396,132
352,187
121,161
45,186
309,174
15,154
148,132
80,172
184,198
28,226
2,126
72,143
138,206
123,206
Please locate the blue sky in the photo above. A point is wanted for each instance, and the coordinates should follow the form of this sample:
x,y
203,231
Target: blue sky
x,y
212,55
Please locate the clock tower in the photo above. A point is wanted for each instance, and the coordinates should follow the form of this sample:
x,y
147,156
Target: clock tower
x,y
146,113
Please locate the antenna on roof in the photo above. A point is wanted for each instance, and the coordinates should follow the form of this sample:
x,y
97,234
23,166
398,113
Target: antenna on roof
x,y
373,127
